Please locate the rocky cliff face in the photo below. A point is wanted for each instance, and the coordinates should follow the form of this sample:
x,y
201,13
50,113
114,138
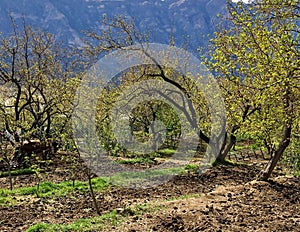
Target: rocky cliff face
x,y
188,20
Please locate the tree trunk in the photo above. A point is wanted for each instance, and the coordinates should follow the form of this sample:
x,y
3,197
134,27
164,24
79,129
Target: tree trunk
x,y
92,193
227,147
266,173
9,176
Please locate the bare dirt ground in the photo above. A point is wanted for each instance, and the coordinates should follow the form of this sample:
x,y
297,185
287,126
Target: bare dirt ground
x,y
225,198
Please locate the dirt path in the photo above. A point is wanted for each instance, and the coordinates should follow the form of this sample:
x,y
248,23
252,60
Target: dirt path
x,y
255,206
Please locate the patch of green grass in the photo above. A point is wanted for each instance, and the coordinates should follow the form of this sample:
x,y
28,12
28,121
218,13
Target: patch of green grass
x,y
39,227
297,173
140,160
7,200
239,147
143,176
18,172
192,167
89,224
166,152
146,208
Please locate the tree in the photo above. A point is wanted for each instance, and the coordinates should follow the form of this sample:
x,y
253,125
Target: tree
x,y
256,58
120,33
7,151
37,83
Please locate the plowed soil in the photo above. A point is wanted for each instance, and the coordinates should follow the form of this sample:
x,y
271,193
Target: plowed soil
x,y
225,198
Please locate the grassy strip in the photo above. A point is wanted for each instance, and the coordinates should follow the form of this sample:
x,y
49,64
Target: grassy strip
x,y
49,189
105,221
89,224
136,161
18,172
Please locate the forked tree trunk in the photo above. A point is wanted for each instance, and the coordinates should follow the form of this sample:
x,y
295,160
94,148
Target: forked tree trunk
x,y
285,141
226,148
92,192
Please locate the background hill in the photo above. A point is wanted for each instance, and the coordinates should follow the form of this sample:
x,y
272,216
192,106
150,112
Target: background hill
x,y
190,21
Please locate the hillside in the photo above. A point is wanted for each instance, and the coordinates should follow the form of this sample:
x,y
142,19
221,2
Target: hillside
x,y
190,21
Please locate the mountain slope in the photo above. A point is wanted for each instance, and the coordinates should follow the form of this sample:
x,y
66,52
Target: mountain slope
x,y
188,20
